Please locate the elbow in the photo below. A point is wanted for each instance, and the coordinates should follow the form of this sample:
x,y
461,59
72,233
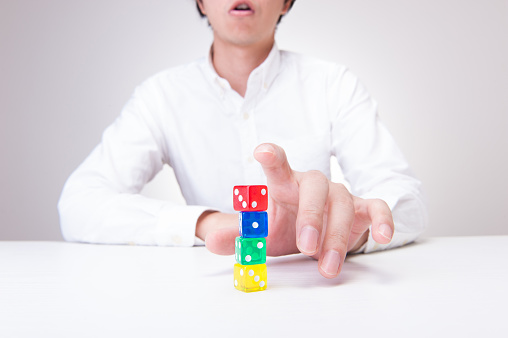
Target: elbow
x,y
67,223
73,218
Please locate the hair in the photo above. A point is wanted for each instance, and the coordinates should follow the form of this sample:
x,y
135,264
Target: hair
x,y
280,17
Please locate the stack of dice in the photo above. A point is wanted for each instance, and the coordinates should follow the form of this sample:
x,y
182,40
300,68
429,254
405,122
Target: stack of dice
x,y
250,247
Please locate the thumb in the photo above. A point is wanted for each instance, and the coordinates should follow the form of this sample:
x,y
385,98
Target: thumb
x,y
222,241
274,162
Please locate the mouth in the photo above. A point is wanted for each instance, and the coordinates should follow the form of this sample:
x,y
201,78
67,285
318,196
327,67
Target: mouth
x,y
241,8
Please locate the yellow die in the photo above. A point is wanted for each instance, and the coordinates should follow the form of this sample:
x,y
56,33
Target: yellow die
x,y
250,278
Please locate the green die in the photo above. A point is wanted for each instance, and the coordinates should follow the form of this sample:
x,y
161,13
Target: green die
x,y
250,251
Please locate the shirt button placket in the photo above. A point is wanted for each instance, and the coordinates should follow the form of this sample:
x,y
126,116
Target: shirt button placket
x,y
249,142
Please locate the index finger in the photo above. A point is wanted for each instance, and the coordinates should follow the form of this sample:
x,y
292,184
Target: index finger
x,y
274,162
280,177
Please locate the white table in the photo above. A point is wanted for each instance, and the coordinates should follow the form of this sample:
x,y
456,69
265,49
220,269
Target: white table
x,y
455,286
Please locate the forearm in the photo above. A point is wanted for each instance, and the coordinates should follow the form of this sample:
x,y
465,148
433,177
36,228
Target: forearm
x,y
100,215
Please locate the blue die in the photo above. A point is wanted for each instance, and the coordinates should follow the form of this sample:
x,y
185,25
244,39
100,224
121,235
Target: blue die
x,y
253,224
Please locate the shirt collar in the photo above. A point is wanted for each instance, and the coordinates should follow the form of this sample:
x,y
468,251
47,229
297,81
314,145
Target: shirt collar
x,y
223,84
268,69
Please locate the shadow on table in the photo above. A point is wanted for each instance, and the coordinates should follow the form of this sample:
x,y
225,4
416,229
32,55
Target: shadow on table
x,y
302,271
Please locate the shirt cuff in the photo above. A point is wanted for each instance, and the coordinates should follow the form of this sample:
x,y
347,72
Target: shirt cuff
x,y
176,225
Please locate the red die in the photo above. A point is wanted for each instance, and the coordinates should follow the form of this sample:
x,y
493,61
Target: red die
x,y
250,197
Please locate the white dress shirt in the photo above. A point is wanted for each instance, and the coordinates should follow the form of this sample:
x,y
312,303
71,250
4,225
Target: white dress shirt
x,y
190,118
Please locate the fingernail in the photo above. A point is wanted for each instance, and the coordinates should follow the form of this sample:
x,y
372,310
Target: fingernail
x,y
385,231
331,262
308,240
264,148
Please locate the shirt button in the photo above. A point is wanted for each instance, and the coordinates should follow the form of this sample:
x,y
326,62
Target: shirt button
x,y
176,239
265,85
246,116
250,159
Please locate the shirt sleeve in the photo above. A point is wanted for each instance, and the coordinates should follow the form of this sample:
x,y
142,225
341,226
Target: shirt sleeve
x,y
100,202
371,161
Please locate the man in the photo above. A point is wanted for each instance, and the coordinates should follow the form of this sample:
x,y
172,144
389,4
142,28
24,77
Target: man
x,y
205,119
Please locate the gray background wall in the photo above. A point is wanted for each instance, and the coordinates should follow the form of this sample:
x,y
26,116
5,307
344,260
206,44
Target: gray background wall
x,y
438,69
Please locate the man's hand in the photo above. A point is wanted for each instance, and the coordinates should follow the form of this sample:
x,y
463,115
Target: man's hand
x,y
307,213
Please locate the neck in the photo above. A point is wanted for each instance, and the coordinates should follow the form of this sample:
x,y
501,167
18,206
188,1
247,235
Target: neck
x,y
235,63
